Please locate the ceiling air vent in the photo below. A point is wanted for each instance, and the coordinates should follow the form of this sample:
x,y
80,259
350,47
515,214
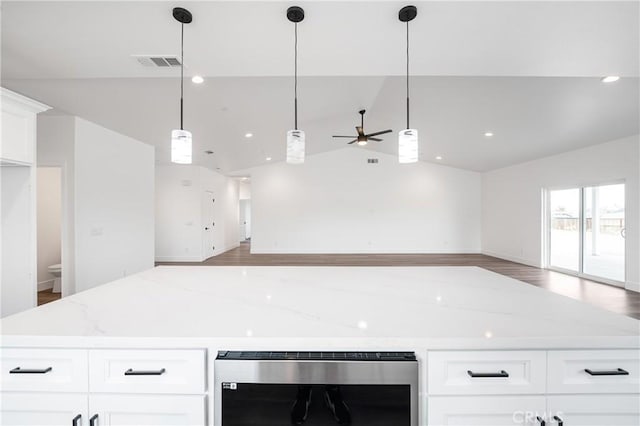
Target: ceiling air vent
x,y
372,160
158,61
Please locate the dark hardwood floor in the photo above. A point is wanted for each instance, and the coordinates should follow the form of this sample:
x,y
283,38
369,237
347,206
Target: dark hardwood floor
x,y
46,296
605,296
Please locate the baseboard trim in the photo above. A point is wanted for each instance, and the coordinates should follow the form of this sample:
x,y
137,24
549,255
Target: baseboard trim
x,y
178,259
268,251
630,285
45,285
512,259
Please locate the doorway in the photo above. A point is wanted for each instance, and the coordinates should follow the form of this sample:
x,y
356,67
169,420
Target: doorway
x,y
49,233
245,221
208,224
586,232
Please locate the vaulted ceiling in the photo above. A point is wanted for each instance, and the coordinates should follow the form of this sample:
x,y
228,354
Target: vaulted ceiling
x,y
527,71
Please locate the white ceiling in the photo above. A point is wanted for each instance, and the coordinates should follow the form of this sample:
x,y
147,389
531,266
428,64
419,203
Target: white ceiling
x,y
528,71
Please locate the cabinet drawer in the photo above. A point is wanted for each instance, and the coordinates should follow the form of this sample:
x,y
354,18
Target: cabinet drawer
x,y
486,372
610,371
42,409
147,371
58,370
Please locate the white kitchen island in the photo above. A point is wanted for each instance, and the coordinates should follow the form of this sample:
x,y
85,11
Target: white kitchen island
x,y
454,318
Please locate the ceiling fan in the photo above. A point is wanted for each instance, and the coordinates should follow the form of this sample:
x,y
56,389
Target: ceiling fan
x,y
361,138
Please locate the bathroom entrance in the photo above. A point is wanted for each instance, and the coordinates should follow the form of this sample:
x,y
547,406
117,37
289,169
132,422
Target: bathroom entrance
x,y
49,240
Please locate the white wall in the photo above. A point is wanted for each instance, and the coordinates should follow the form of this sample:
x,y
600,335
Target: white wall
x,y
337,203
512,208
114,205
179,212
108,200
49,206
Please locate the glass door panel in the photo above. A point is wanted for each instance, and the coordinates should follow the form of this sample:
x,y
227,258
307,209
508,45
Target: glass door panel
x,y
604,227
564,233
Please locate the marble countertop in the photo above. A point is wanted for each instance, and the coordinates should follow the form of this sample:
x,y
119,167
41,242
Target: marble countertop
x,y
397,305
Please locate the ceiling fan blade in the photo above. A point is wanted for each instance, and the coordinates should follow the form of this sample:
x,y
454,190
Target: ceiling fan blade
x,y
375,139
353,141
382,132
360,131
343,137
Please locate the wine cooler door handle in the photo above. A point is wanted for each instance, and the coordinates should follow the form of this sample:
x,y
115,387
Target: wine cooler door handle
x,y
559,420
77,420
93,421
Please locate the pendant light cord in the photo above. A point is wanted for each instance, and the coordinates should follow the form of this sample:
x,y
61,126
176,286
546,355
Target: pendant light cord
x,y
295,79
181,76
408,75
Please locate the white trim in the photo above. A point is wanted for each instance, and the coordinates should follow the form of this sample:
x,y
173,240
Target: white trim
x,y
178,259
28,103
632,286
45,285
511,258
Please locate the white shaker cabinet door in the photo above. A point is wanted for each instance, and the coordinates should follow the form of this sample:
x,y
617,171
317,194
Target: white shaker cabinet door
x,y
43,409
486,410
595,410
146,410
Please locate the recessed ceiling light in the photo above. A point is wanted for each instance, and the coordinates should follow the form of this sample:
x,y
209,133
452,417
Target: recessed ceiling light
x,y
268,158
245,178
438,158
488,134
197,79
610,79
248,135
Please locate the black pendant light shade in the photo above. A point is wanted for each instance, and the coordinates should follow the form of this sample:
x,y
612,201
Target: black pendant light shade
x,y
181,140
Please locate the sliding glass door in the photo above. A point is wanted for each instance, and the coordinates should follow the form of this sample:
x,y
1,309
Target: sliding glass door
x,y
586,231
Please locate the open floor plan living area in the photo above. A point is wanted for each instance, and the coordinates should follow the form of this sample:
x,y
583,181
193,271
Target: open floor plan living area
x,y
317,213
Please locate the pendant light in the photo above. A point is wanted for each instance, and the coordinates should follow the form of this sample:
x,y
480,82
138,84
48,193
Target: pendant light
x,y
295,137
181,146
408,138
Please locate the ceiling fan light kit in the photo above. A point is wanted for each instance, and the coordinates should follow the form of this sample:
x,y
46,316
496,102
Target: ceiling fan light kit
x,y
407,138
181,140
295,137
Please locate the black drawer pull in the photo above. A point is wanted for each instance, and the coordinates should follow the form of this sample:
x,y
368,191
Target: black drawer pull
x,y
131,372
559,420
541,421
93,421
77,420
617,372
502,373
19,370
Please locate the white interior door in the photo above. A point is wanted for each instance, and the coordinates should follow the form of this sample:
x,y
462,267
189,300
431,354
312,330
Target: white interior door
x,y
208,224
245,220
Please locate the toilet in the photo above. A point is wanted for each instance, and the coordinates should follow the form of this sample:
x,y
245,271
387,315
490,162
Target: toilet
x,y
56,271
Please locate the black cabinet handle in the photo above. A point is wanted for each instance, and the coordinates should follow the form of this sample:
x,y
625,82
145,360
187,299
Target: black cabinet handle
x,y
206,228
617,372
131,372
559,420
77,420
19,370
541,421
93,421
502,373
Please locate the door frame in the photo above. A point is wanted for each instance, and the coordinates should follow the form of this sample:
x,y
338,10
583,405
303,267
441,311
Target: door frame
x,y
582,231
